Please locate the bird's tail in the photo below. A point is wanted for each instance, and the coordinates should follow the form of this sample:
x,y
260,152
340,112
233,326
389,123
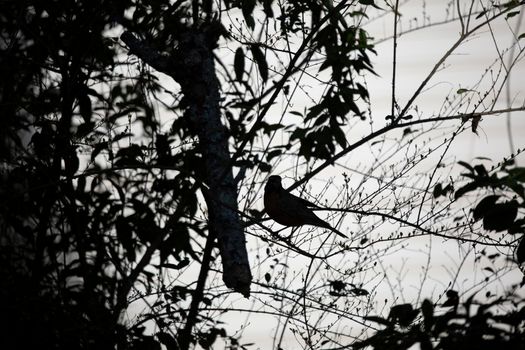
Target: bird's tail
x,y
338,232
328,226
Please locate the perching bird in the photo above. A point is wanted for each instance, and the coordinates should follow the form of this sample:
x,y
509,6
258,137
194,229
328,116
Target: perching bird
x,y
290,210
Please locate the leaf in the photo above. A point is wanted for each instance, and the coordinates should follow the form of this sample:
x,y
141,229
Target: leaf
x,y
267,8
125,236
485,205
517,227
520,252
517,173
404,314
369,3
468,302
321,119
314,111
270,128
84,129
259,58
338,285
437,190
427,309
84,105
274,153
377,319
481,171
359,291
466,165
475,122
299,114
247,7
512,14
425,343
267,277
501,216
265,167
167,340
481,14
452,298
184,262
298,133
71,161
471,186
353,107
407,131
238,63
339,135
121,136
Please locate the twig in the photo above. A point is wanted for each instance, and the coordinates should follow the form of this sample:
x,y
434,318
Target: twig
x,y
394,63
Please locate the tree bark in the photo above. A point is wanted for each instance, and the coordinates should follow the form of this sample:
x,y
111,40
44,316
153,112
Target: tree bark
x,y
192,66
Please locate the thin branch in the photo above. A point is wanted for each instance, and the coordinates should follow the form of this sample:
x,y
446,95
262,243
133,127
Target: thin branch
x,y
511,56
280,84
390,127
443,58
198,293
394,63
407,223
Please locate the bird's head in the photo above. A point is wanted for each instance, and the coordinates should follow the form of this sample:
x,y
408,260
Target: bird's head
x,y
273,183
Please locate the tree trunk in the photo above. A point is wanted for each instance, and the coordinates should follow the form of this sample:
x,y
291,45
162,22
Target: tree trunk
x,y
192,66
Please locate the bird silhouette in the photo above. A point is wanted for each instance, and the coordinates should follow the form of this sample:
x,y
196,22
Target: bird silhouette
x,y
289,210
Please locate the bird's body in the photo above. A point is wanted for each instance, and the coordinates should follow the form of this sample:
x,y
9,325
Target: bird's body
x,y
289,210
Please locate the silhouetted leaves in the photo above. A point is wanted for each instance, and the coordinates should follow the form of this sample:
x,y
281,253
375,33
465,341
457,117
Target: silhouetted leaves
x,y
452,299
358,291
484,206
247,7
497,214
480,177
125,236
339,289
500,216
260,60
517,227
439,190
467,329
238,64
520,251
182,264
368,3
167,340
427,309
403,314
475,122
207,338
267,277
378,319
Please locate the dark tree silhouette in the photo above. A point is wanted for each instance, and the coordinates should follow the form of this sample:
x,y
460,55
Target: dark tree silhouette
x,y
136,140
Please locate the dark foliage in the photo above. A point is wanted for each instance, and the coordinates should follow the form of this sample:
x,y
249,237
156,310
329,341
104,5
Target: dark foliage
x,y
84,203
503,209
452,325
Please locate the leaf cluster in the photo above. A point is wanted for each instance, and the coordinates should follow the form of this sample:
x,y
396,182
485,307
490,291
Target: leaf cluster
x,y
500,210
454,325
